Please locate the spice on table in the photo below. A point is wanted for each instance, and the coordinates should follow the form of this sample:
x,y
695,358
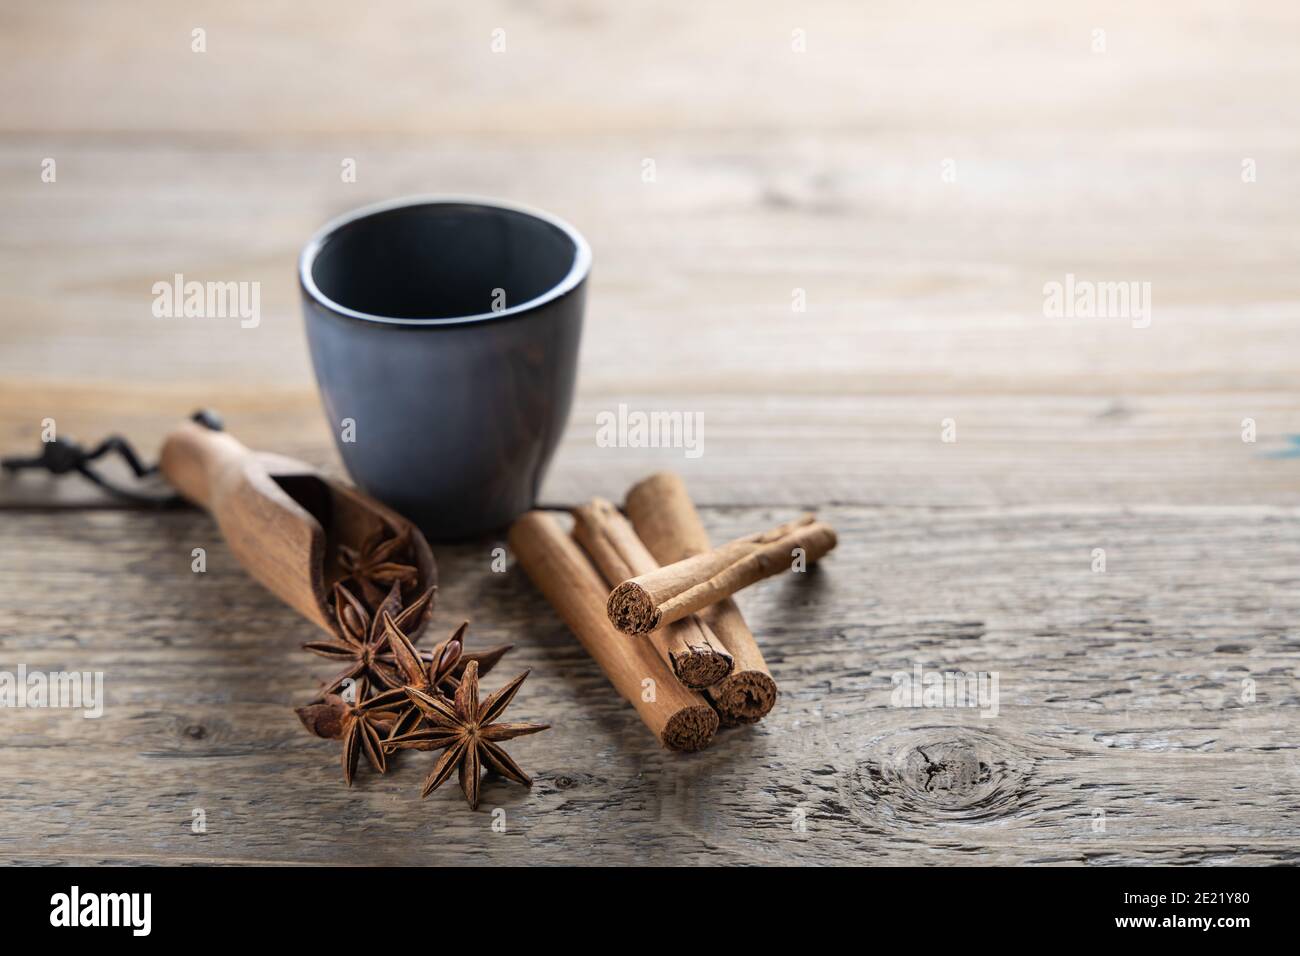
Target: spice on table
x,y
688,646
416,672
362,726
439,670
661,511
681,718
362,636
466,732
486,661
657,598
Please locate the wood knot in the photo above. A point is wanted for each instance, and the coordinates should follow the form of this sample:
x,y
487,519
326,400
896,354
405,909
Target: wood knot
x,y
942,774
544,784
163,734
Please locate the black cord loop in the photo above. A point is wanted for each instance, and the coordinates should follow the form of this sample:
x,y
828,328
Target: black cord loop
x,y
63,455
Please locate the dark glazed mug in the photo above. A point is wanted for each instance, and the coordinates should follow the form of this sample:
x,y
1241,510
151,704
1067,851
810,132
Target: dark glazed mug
x,y
447,331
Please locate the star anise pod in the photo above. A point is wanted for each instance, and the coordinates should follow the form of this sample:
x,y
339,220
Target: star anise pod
x,y
363,636
435,672
426,675
486,661
362,726
466,733
373,566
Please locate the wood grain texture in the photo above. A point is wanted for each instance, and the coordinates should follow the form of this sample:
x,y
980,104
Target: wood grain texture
x,y
777,173
1120,692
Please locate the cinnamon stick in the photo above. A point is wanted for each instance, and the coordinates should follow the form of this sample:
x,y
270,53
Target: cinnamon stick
x,y
680,718
658,598
663,515
688,646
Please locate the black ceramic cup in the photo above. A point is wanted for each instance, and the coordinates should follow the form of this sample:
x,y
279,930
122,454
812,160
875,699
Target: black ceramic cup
x,y
444,334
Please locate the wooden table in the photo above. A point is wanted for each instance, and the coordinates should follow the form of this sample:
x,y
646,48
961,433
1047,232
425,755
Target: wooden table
x,y
920,173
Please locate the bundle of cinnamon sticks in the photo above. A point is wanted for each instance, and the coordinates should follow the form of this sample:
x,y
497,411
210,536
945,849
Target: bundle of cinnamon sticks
x,y
650,599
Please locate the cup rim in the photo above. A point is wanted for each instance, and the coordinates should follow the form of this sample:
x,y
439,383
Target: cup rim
x,y
575,276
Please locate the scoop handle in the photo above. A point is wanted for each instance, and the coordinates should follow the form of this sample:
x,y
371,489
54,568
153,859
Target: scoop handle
x,y
275,538
198,462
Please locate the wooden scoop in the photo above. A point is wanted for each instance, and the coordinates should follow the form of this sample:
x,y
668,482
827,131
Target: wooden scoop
x,y
283,520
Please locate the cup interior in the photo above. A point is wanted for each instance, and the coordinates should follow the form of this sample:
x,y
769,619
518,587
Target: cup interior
x,y
442,260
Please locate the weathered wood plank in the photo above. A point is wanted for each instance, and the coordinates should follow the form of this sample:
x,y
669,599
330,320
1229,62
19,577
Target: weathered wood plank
x,y
1010,450
906,289
1121,692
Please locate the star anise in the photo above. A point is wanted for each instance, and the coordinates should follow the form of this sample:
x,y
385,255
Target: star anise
x,y
425,675
363,636
373,566
466,732
435,672
486,661
362,726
